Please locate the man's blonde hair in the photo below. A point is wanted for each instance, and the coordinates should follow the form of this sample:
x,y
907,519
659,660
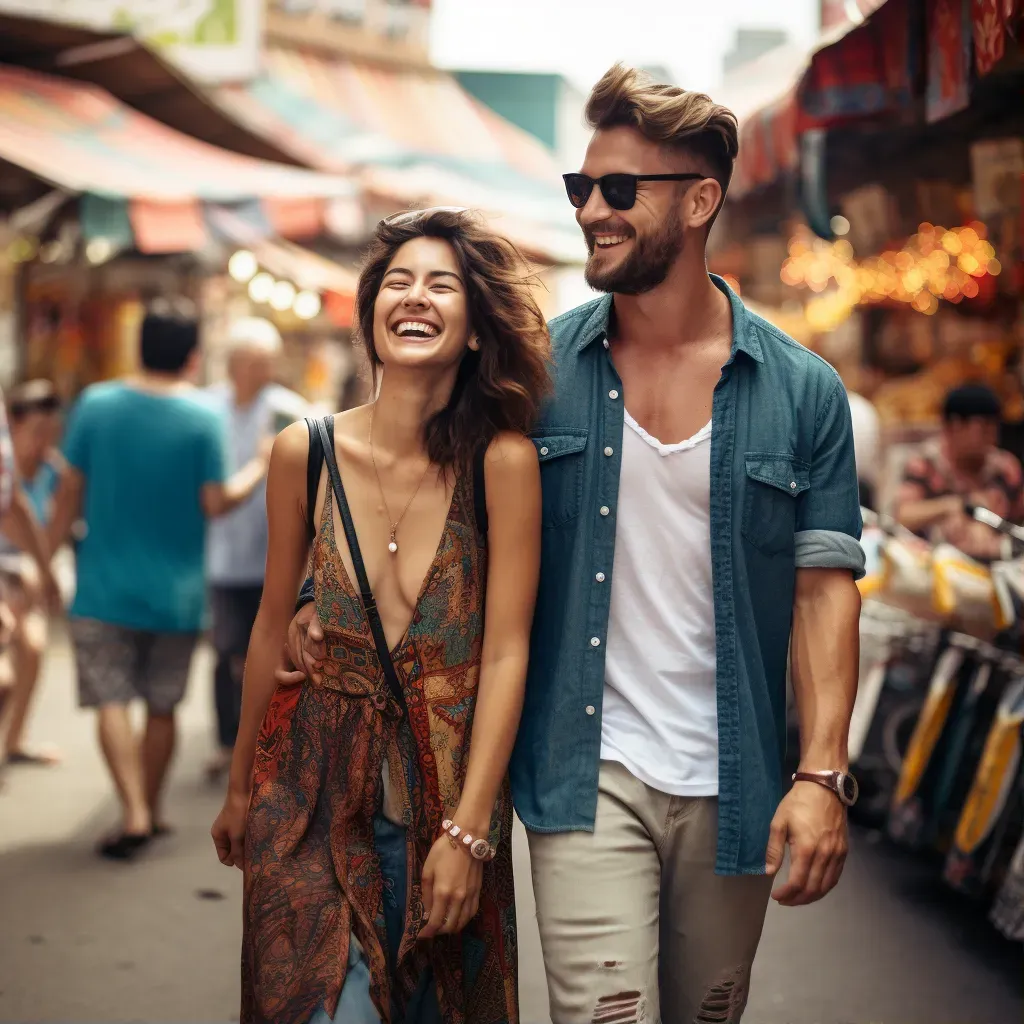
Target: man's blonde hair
x,y
688,121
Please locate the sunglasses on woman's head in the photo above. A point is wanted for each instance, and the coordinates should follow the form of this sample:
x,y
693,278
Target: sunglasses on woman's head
x,y
412,216
619,190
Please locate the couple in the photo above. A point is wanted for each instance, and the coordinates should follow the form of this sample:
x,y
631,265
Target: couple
x,y
633,710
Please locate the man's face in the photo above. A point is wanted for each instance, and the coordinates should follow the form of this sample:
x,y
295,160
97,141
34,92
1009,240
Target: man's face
x,y
971,440
251,369
632,251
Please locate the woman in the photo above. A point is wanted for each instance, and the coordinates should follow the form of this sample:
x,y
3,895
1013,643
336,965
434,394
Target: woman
x,y
351,797
35,423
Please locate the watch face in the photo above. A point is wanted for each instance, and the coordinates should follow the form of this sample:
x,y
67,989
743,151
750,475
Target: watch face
x,y
480,849
848,789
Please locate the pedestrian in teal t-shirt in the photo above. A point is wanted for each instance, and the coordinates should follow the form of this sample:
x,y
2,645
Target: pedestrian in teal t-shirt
x,y
147,468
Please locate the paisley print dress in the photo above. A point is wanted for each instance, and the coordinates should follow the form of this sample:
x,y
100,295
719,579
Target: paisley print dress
x,y
329,756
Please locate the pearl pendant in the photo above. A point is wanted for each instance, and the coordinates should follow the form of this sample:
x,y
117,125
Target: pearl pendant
x,y
393,546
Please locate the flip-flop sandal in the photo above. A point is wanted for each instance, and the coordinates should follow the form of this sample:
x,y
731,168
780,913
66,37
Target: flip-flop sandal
x,y
124,847
39,759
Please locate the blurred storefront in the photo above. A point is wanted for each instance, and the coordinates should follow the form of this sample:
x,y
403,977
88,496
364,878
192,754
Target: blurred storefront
x,y
876,212
107,208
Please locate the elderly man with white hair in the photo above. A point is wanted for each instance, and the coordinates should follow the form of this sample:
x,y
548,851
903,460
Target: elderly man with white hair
x,y
254,407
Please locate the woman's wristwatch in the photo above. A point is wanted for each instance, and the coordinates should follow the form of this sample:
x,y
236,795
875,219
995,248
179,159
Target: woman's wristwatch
x,y
478,849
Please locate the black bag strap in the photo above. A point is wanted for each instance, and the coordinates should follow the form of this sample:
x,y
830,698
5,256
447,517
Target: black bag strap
x,y
313,466
325,428
480,492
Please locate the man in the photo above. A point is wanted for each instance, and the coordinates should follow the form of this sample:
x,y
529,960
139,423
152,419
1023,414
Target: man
x,y
254,408
147,469
34,413
963,465
700,508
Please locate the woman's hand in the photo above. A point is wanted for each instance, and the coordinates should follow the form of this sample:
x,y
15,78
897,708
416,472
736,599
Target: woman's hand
x,y
229,829
451,889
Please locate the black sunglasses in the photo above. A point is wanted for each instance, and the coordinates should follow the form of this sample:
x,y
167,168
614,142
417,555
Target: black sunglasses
x,y
619,190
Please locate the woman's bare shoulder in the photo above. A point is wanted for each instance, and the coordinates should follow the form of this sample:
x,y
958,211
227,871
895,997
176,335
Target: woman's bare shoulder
x,y
291,447
512,452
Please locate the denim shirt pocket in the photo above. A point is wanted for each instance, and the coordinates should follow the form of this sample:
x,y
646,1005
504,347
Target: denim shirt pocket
x,y
773,483
561,453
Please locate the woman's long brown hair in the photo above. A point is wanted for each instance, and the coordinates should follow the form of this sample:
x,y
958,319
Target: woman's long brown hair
x,y
501,386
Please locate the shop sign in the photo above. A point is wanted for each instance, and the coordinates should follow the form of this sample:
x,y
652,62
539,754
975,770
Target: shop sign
x,y
212,40
996,169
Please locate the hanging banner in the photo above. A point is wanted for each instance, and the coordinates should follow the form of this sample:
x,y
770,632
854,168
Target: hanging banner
x,y
212,40
989,34
949,58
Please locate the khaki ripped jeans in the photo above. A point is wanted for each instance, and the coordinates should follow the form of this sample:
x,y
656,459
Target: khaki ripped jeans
x,y
635,925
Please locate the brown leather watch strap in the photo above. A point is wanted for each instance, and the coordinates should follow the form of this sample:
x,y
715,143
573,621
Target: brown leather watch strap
x,y
828,781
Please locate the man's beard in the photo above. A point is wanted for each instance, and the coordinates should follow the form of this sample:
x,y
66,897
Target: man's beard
x,y
644,268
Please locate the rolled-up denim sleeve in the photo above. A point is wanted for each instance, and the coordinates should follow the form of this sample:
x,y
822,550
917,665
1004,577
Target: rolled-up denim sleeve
x,y
828,512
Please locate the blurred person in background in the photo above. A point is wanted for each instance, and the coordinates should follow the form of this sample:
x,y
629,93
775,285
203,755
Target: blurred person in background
x,y
8,486
962,466
147,468
34,413
254,409
648,768
369,809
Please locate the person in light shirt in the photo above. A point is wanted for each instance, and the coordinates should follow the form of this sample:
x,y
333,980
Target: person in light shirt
x,y
254,408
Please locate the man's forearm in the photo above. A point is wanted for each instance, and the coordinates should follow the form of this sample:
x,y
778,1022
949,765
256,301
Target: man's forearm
x,y
220,499
918,516
67,508
825,655
240,487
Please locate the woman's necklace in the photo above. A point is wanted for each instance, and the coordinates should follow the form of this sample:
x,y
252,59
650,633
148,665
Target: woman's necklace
x,y
392,541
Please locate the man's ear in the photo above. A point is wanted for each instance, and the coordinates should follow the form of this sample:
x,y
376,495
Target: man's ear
x,y
701,203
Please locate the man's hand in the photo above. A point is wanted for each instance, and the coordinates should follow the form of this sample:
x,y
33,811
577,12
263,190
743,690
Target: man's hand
x,y
812,821
305,650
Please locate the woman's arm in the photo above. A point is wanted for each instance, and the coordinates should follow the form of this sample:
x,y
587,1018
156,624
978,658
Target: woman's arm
x,y
513,511
287,551
451,878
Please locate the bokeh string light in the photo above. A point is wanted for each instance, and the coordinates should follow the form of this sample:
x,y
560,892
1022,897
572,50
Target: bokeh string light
x,y
936,263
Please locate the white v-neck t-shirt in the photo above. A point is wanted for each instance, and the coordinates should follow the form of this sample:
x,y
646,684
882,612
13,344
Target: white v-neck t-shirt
x,y
660,710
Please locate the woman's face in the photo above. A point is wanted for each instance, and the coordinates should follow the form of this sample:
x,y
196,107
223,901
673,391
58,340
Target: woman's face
x,y
421,316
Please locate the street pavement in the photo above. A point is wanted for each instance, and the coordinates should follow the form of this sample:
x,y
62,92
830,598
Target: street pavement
x,y
157,941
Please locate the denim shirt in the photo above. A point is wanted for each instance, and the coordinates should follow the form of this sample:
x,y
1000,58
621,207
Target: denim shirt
x,y
783,495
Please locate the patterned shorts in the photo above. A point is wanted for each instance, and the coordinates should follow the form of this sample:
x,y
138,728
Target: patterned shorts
x,y
116,665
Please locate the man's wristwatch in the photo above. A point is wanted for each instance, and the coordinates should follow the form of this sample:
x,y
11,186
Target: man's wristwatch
x,y
843,784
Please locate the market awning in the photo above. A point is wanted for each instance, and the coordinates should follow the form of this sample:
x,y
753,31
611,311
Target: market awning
x,y
131,71
858,69
416,132
147,184
80,138
868,67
